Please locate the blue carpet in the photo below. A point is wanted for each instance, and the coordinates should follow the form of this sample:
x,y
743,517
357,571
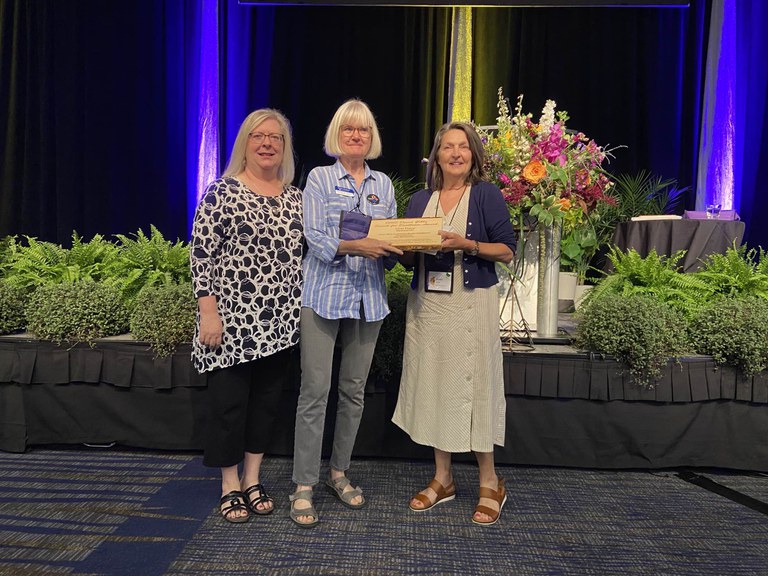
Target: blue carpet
x,y
110,513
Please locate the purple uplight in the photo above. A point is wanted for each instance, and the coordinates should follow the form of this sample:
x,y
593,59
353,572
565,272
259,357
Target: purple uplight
x,y
208,115
719,138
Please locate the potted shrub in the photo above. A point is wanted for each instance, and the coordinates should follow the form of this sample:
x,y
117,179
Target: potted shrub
x,y
636,329
164,316
733,331
76,312
12,318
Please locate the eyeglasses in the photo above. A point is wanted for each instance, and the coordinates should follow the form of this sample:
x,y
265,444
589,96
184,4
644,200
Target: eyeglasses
x,y
259,137
364,131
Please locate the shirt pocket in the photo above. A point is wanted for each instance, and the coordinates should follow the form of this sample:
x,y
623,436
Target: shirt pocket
x,y
378,211
334,204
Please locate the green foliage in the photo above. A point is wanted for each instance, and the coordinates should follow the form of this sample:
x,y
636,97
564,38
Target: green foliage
x,y
37,263
388,359
576,251
656,276
11,308
150,261
164,316
733,331
6,244
637,195
636,329
404,189
644,193
737,273
79,312
34,264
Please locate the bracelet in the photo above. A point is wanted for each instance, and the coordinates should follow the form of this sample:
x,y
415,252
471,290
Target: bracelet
x,y
476,250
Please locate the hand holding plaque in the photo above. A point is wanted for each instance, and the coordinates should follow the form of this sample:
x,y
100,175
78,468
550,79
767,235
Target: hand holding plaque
x,y
408,233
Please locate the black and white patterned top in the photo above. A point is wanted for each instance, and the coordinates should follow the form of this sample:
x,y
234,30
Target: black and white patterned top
x,y
246,250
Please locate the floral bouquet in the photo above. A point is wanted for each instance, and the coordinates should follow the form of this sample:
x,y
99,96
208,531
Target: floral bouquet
x,y
554,174
542,168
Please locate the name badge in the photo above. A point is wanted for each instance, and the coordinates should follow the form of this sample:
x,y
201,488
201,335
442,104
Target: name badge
x,y
438,272
439,281
344,191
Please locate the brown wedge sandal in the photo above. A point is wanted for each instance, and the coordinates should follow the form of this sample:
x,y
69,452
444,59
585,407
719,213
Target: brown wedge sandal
x,y
499,495
444,494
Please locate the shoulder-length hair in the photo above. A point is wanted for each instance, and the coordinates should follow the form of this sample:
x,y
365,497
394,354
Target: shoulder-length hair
x,y
237,157
352,112
476,174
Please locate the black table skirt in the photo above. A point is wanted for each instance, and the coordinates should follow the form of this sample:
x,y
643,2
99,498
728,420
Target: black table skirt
x,y
562,409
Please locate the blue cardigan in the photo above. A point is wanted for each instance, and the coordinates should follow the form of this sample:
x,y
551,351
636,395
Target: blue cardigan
x,y
487,221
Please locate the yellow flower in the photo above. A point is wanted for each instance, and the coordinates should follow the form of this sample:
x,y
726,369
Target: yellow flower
x,y
534,171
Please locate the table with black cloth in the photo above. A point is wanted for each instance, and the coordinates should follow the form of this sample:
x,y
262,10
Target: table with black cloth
x,y
564,408
699,238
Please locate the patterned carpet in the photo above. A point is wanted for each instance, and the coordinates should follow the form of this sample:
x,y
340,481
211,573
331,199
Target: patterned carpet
x,y
118,512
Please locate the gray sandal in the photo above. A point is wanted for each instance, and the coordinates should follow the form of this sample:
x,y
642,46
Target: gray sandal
x,y
336,487
295,513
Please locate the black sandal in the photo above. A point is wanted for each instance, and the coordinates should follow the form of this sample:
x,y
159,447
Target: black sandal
x,y
262,499
236,503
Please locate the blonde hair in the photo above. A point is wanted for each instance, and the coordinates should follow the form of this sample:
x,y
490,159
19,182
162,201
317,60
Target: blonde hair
x,y
355,112
237,157
435,172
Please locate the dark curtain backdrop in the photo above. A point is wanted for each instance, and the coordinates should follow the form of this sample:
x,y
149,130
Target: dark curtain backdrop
x,y
394,59
627,76
93,97
96,97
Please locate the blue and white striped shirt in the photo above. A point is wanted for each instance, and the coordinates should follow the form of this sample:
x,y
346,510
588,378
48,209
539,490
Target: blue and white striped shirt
x,y
335,286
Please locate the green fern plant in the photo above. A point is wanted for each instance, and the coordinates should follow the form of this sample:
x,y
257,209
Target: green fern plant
x,y
34,264
654,275
150,261
38,263
740,272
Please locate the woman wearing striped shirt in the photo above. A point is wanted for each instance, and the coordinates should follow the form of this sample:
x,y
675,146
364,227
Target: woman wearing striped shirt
x,y
344,295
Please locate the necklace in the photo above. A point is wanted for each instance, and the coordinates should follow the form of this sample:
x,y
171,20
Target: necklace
x,y
278,207
275,201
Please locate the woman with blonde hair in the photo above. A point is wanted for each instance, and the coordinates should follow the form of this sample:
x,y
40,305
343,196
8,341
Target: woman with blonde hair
x,y
246,253
344,296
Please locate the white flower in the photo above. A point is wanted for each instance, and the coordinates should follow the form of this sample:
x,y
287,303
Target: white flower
x,y
547,119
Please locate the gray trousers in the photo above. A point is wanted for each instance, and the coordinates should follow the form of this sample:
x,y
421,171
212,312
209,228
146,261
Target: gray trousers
x,y
318,339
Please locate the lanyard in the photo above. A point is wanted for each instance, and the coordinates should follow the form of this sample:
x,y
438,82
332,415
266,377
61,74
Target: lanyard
x,y
359,194
455,208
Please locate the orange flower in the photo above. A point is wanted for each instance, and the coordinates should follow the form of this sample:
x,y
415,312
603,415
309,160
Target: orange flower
x,y
534,171
565,204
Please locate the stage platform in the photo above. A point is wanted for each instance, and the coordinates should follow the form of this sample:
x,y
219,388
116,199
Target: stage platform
x,y
564,407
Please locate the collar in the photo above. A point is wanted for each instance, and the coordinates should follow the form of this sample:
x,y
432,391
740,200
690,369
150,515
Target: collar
x,y
342,174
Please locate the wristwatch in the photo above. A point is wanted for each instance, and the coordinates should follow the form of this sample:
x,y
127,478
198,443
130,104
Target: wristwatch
x,y
476,250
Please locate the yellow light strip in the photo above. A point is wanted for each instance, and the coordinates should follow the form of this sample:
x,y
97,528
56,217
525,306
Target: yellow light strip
x,y
460,86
